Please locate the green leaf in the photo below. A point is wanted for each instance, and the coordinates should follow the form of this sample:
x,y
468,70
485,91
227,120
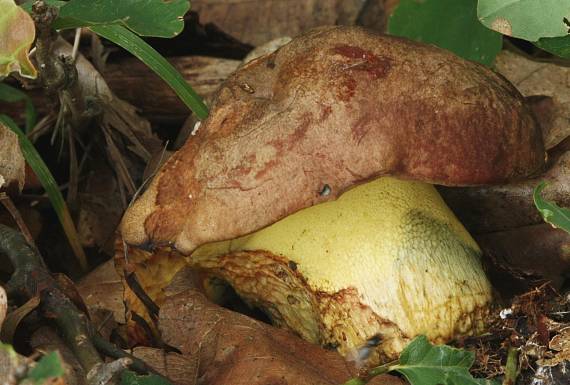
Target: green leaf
x,y
449,24
17,33
49,366
425,364
144,17
555,215
10,94
559,46
47,180
526,19
130,378
135,45
488,381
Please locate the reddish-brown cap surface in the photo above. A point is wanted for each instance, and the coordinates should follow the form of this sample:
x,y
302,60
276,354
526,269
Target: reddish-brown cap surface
x,y
335,107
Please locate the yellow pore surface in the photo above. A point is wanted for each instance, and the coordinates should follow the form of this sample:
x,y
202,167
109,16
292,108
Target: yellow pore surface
x,y
396,242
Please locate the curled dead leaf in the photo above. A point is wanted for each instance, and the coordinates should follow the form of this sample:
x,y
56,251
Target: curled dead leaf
x,y
12,163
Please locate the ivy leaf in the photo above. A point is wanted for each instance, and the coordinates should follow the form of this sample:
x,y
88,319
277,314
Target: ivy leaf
x,y
559,46
425,364
48,367
130,378
526,19
449,24
17,33
144,17
555,215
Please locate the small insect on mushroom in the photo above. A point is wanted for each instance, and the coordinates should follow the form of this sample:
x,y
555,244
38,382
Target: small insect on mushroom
x,y
360,355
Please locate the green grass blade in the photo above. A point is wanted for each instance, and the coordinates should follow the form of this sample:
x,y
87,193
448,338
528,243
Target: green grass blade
x,y
557,216
48,182
148,55
10,94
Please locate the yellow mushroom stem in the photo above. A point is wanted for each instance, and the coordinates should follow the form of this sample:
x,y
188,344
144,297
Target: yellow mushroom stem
x,y
388,257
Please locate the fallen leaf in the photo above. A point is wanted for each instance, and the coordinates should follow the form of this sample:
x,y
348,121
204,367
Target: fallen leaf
x,y
486,209
100,208
560,343
517,250
257,22
233,348
533,78
102,288
151,272
12,163
182,370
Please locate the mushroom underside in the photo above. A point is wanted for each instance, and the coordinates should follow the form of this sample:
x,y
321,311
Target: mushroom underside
x,y
388,257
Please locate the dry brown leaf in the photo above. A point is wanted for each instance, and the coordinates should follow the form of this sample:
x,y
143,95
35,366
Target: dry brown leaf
x,y
257,21
335,107
541,78
560,343
538,250
102,288
100,209
12,163
152,272
486,209
235,349
180,369
131,79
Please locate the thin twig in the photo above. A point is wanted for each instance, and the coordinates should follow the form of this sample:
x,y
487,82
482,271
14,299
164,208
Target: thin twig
x,y
15,213
31,278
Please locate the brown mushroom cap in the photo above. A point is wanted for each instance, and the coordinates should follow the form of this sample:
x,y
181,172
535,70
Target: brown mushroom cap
x,y
335,107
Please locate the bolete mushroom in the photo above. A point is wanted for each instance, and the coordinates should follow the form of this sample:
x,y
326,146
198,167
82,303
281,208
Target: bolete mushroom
x,y
288,190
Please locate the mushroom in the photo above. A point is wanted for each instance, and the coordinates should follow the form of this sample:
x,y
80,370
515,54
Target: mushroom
x,y
308,188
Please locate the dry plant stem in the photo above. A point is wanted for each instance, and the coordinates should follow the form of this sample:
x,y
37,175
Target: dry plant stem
x,y
51,71
58,74
73,173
